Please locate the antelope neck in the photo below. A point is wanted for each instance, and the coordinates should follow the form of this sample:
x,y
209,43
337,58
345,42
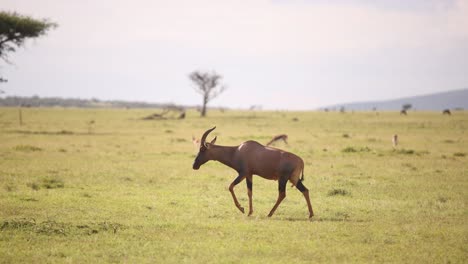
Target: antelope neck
x,y
224,155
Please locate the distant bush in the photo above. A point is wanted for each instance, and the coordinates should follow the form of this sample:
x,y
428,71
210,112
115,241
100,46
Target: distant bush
x,y
352,149
52,183
459,154
47,183
365,149
341,192
27,148
65,132
33,186
406,151
349,150
442,199
50,227
17,224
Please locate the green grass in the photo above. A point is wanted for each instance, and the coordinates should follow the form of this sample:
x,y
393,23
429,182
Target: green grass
x,y
125,191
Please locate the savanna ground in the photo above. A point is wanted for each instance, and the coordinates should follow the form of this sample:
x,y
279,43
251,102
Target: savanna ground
x,y
102,185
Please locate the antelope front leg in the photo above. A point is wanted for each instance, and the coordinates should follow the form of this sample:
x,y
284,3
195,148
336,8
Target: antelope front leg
x,y
231,189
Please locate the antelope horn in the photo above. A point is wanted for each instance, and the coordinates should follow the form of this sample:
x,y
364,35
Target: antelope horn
x,y
202,140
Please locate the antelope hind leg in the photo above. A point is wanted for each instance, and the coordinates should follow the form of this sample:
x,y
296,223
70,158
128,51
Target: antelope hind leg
x,y
305,192
281,195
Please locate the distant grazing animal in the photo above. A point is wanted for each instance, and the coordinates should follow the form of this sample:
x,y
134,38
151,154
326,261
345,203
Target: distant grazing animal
x,y
182,115
446,112
403,112
196,141
395,140
251,158
283,137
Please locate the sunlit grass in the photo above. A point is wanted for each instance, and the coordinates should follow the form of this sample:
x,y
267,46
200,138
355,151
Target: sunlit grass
x,y
124,190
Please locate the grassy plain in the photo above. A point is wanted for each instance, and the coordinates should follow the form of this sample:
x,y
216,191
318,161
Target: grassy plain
x,y
122,189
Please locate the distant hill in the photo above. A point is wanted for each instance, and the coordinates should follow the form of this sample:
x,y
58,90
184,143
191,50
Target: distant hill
x,y
457,99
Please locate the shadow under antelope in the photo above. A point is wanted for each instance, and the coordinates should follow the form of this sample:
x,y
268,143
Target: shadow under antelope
x,y
251,158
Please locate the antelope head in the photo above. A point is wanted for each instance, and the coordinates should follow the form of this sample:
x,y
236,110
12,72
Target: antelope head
x,y
204,153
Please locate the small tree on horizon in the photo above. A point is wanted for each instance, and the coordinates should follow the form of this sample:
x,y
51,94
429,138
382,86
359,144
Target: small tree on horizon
x,y
15,29
406,107
208,85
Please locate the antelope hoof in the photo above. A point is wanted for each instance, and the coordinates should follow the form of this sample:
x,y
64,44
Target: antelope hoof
x,y
270,214
241,209
250,213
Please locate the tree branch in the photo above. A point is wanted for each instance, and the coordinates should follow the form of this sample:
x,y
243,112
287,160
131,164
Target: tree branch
x,y
207,84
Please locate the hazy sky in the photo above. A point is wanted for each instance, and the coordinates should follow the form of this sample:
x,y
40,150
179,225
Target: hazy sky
x,y
279,54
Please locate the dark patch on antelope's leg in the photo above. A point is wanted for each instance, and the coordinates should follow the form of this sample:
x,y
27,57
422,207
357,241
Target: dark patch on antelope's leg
x,y
231,189
305,192
283,180
249,184
237,180
301,186
282,185
249,193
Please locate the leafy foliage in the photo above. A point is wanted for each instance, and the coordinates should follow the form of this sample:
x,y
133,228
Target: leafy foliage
x,y
16,28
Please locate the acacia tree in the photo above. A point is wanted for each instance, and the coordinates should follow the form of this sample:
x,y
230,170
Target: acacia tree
x,y
406,107
208,85
15,29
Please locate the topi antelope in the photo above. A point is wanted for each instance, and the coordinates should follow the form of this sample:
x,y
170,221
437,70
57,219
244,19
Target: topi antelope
x,y
251,158
283,137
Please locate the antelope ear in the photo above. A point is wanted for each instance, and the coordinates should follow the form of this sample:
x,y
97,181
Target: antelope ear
x,y
213,141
